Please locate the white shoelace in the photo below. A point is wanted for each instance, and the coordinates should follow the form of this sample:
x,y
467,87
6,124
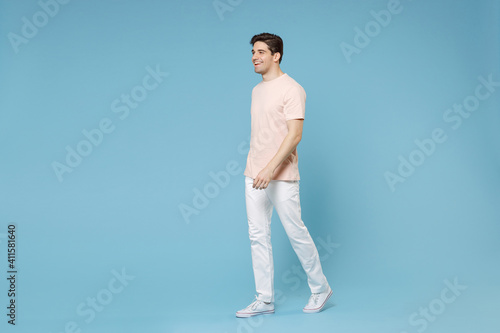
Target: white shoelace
x,y
314,297
254,303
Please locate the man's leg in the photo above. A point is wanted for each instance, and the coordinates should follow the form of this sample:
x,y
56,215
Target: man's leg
x,y
286,199
259,212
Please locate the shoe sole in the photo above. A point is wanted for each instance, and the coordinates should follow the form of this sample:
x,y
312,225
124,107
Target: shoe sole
x,y
246,315
321,307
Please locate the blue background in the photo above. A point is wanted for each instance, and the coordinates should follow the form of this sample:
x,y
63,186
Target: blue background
x,y
120,209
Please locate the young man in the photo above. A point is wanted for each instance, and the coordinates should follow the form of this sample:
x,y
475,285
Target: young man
x,y
272,177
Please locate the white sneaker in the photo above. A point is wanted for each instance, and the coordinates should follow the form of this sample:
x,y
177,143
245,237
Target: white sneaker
x,y
256,308
317,301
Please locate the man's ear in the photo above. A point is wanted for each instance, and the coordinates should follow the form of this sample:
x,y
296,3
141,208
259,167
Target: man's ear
x,y
276,57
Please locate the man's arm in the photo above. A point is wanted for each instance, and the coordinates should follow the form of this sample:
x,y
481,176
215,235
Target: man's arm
x,y
288,145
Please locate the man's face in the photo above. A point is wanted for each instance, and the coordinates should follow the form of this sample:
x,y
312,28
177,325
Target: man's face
x,y
262,58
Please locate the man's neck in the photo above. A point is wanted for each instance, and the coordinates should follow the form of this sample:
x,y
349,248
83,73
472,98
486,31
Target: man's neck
x,y
272,74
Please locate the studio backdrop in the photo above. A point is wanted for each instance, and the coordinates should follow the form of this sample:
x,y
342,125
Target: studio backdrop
x,y
124,134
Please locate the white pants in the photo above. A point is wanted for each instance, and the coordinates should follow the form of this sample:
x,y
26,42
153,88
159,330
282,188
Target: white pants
x,y
284,196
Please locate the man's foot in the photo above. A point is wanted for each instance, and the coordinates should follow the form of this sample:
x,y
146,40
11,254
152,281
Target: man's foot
x,y
317,301
256,308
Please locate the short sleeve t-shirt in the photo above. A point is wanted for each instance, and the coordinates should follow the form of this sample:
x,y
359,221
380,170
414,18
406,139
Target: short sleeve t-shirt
x,y
273,103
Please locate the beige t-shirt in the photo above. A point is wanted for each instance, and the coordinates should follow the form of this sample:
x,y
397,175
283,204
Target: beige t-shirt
x,y
273,103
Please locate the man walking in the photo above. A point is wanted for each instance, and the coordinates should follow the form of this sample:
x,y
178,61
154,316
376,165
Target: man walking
x,y
272,177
